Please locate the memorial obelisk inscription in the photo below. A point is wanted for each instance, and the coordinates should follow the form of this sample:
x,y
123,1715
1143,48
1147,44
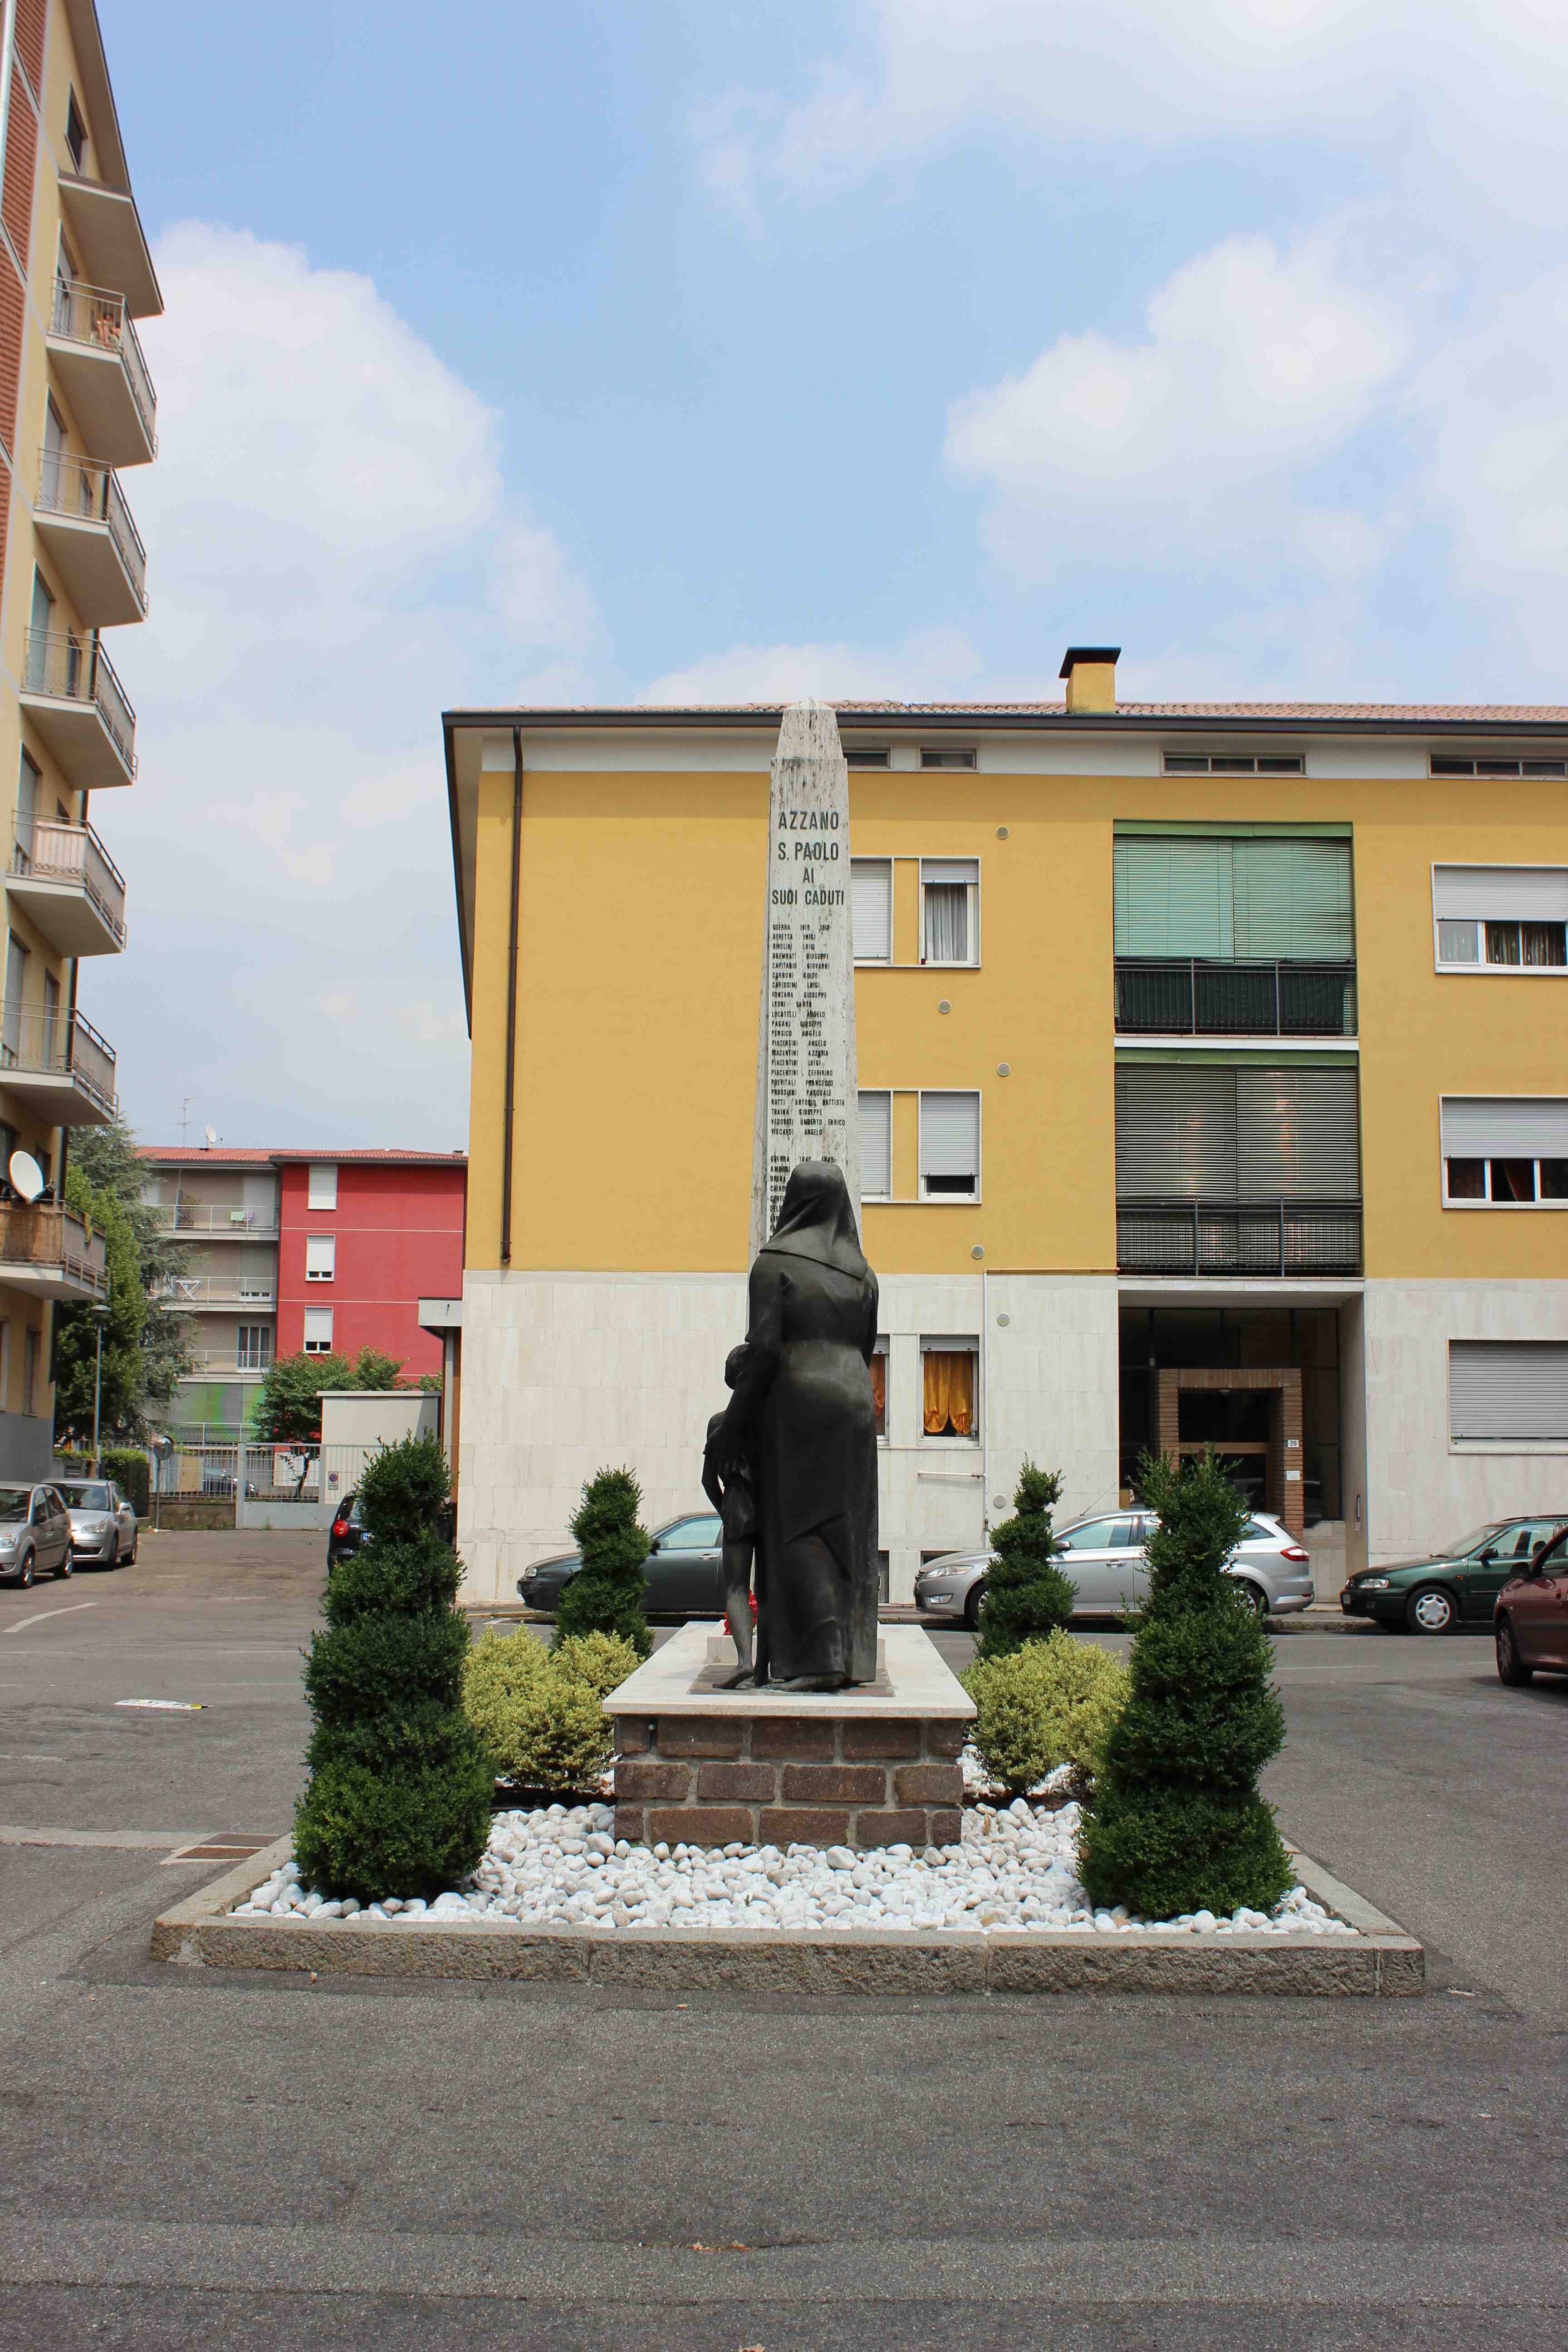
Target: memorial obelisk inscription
x,y
806,1050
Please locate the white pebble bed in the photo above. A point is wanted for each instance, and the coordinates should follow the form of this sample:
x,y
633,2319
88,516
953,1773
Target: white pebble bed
x,y
563,1867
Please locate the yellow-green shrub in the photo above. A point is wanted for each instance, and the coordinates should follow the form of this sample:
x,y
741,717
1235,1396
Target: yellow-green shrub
x,y
1052,1702
598,1662
538,1710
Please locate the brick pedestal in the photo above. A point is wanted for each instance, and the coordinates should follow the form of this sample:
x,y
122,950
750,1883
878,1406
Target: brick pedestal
x,y
773,1779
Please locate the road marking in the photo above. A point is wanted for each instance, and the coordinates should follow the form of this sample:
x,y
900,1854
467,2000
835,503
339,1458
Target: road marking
x,y
158,1841
168,1705
69,1610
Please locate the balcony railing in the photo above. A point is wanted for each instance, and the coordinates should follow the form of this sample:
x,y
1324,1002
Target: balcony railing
x,y
82,489
51,1044
38,1235
49,849
76,669
93,315
220,1217
1267,1238
1183,996
219,1290
231,1359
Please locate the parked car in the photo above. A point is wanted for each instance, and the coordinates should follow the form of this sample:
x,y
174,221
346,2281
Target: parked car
x,y
1457,1584
1530,1620
35,1533
103,1522
346,1533
682,1574
1104,1557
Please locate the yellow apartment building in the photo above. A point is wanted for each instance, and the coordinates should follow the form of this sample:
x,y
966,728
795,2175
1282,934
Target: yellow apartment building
x,y
77,409
1212,1084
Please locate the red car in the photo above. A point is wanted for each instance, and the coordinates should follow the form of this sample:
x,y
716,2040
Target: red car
x,y
1531,1619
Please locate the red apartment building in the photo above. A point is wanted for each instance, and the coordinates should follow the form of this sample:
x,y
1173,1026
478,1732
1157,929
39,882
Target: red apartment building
x,y
325,1251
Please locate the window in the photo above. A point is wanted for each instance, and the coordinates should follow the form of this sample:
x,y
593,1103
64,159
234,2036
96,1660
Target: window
x,y
1508,1390
1505,1152
1509,918
253,1347
693,1535
950,904
950,1147
29,776
41,622
51,1018
321,1257
15,992
933,756
879,1386
1506,766
1230,763
318,1330
30,1371
323,1193
1098,1535
871,908
76,133
857,755
876,1145
950,1378
1271,897
1238,1134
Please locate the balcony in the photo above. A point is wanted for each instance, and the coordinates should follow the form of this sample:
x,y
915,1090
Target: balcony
x,y
73,698
216,1221
82,518
69,883
50,1253
216,1362
57,1065
109,236
1242,1239
102,374
1182,996
190,1293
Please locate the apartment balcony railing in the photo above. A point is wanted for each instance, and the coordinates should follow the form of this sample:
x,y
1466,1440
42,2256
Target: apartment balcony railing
x,y
1183,996
70,885
96,353
195,1291
229,1359
75,699
1240,1238
215,1219
83,519
48,1251
57,1065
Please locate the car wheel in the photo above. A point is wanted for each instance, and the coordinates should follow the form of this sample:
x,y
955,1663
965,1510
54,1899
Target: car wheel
x,y
25,1570
1510,1667
66,1564
972,1607
1253,1595
1431,1610
131,1555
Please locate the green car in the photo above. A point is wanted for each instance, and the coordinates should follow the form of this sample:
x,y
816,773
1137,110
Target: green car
x,y
1456,1585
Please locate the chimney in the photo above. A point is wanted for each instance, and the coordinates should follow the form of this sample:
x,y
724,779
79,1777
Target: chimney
x,y
1090,674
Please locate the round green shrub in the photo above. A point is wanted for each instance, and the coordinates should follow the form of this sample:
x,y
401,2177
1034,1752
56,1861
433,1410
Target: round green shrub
x,y
1027,1595
608,1593
541,1727
375,1664
401,1489
416,1829
392,1578
599,1662
1050,1702
1169,1850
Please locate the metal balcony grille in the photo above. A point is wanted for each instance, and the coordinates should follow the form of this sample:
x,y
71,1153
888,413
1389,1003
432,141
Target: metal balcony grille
x,y
58,1044
89,492
53,850
1238,1237
1158,996
94,314
77,669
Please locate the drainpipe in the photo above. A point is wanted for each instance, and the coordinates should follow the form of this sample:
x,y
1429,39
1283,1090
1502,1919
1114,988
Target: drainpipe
x,y
510,1090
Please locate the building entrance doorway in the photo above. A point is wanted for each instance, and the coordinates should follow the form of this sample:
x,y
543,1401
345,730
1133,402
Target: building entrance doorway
x,y
1252,1416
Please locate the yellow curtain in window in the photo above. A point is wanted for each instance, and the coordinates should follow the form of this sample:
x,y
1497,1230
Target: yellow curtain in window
x,y
949,1393
879,1390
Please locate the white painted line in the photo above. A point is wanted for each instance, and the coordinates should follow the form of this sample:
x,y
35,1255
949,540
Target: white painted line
x,y
167,1705
69,1610
158,1841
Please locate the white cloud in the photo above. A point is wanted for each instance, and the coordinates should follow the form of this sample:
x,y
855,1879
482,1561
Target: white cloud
x,y
334,555
926,666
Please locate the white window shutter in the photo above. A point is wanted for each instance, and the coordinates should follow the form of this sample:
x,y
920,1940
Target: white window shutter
x,y
1504,1389
1505,1127
871,906
876,1145
321,1257
324,1184
950,1135
317,1327
1518,894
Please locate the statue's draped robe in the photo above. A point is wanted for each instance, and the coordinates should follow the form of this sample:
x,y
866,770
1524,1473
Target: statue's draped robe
x,y
804,1415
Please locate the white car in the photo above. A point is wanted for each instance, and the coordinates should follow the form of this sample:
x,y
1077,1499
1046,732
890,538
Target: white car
x,y
103,1523
1104,1557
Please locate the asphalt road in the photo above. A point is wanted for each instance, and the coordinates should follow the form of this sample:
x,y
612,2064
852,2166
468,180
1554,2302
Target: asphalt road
x,y
189,2155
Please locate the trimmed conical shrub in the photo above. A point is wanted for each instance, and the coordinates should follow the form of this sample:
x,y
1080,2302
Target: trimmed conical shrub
x,y
608,1593
1177,1824
1027,1595
401,1785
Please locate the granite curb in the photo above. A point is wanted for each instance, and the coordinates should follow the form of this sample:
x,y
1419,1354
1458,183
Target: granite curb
x,y
1384,1962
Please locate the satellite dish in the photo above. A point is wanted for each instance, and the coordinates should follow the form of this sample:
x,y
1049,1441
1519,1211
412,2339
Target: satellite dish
x,y
212,1135
26,1176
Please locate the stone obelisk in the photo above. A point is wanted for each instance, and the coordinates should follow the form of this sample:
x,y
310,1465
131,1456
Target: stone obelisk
x,y
806,1107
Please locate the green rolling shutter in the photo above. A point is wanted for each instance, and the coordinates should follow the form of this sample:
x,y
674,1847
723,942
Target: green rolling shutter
x,y
1173,898
1275,899
1176,1133
1293,901
1229,1134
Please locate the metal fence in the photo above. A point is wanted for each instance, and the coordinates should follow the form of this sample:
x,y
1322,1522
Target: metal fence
x,y
89,492
96,315
1182,996
1250,1238
68,668
50,849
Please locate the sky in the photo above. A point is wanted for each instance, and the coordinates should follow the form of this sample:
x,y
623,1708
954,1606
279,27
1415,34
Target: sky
x,y
645,350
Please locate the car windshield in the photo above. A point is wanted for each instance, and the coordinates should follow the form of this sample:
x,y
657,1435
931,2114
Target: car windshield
x,y
88,1498
1472,1542
15,1502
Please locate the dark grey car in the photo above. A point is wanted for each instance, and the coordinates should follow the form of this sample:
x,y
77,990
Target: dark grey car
x,y
103,1522
35,1533
682,1573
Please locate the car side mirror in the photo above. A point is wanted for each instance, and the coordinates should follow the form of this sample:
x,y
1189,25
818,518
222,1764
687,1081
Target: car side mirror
x,y
653,1545
1488,1556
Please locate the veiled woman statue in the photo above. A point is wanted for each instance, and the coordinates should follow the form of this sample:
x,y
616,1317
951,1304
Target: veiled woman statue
x,y
802,1416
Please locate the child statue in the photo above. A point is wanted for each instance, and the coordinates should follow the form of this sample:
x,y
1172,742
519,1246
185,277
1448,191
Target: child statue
x,y
732,1498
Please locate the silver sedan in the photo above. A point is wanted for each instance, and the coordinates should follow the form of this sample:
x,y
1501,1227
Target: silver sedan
x,y
1104,1557
103,1523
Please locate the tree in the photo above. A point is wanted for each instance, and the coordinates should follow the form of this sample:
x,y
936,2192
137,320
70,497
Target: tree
x,y
1177,1824
607,1595
1027,1595
146,1347
288,1410
401,1786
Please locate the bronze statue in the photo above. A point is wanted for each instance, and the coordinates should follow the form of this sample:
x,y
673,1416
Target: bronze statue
x,y
732,1498
802,1417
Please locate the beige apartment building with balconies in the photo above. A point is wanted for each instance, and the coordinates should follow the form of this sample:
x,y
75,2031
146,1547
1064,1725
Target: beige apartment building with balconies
x,y
77,409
